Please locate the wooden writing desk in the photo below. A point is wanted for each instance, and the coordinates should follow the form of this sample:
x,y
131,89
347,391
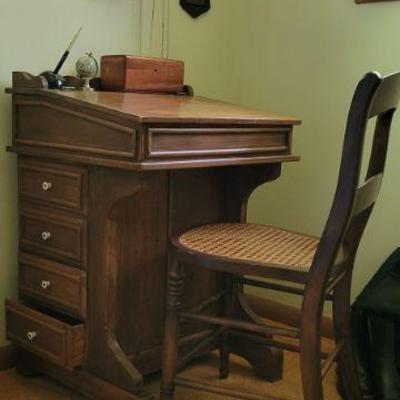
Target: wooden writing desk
x,y
104,180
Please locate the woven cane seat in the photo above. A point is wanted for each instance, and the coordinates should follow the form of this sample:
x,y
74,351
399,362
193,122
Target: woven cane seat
x,y
274,247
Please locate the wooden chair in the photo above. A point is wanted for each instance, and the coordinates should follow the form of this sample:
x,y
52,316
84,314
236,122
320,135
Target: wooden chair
x,y
321,268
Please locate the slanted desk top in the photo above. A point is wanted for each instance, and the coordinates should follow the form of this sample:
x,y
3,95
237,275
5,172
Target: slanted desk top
x,y
147,131
157,108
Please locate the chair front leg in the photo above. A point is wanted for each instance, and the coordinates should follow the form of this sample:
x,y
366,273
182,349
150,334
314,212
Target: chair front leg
x,y
310,349
348,384
171,335
310,362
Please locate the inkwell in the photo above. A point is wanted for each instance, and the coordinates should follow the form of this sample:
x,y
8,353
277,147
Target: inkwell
x,y
54,79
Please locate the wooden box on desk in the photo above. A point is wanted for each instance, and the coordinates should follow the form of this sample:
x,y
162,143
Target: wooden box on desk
x,y
141,74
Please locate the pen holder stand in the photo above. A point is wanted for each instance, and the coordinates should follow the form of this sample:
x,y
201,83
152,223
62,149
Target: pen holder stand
x,y
27,80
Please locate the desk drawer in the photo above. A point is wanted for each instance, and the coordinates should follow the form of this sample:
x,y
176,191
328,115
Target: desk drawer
x,y
55,285
58,185
53,235
216,142
45,336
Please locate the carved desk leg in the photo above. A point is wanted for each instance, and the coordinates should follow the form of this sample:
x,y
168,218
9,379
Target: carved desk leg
x,y
266,361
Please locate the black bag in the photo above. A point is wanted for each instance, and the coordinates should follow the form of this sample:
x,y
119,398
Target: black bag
x,y
195,7
376,333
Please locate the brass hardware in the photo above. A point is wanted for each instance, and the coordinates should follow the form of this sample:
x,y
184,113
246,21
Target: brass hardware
x,y
31,335
46,235
45,284
46,186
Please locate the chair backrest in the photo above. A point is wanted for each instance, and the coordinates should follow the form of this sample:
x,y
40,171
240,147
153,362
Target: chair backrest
x,y
378,97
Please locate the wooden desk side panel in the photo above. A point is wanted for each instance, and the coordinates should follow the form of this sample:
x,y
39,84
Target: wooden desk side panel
x,y
129,226
127,258
48,123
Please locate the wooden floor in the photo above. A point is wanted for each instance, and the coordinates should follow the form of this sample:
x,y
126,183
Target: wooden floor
x,y
15,387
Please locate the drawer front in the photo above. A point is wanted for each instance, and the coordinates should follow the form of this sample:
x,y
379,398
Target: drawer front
x,y
53,235
59,185
45,336
57,286
218,142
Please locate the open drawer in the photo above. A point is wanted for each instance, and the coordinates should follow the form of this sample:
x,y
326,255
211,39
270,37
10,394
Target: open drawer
x,y
57,341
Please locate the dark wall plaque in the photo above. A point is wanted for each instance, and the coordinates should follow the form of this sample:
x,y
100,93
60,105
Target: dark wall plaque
x,y
195,7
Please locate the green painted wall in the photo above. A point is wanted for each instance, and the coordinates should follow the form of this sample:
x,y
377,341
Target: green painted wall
x,y
305,58
302,58
33,35
208,45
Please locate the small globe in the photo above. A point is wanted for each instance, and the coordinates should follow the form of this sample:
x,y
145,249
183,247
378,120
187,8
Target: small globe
x,y
87,66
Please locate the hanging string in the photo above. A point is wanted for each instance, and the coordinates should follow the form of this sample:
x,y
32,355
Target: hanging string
x,y
165,30
139,30
161,46
153,11
162,28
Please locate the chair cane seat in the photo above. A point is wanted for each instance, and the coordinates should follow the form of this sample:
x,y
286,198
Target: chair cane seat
x,y
263,244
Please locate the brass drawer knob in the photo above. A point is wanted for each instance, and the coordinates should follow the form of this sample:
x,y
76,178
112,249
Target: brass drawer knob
x,y
45,284
31,335
46,186
46,235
